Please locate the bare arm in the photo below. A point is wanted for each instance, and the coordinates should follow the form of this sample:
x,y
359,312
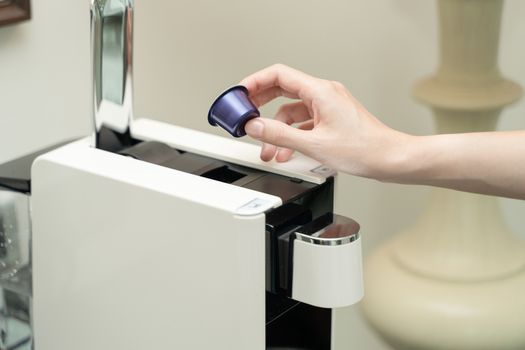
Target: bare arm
x,y
489,162
334,128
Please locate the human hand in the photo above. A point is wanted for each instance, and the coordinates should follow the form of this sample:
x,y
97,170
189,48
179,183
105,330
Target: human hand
x,y
332,126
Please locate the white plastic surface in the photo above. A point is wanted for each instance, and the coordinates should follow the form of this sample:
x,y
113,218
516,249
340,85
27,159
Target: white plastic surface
x,y
327,276
228,149
80,155
130,255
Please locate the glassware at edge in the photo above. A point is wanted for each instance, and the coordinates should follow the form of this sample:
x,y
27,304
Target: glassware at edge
x,y
15,270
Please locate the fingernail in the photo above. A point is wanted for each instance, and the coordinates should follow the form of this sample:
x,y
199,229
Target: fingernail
x,y
255,128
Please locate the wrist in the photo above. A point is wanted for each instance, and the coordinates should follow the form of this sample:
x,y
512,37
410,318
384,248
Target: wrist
x,y
421,160
401,159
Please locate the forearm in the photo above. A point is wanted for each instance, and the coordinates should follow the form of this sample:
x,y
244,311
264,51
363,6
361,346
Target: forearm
x,y
490,163
336,130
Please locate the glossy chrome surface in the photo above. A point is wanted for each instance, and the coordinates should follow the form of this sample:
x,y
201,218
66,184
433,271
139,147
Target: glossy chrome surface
x,y
339,230
112,49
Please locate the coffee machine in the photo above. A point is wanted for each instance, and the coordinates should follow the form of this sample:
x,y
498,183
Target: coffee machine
x,y
149,235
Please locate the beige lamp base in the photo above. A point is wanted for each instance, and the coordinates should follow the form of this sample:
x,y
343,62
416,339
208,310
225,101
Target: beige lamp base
x,y
412,311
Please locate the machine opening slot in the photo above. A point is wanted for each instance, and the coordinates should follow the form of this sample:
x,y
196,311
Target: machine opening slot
x,y
224,174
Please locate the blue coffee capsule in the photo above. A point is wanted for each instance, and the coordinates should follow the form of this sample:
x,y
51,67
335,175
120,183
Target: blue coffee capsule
x,y
232,109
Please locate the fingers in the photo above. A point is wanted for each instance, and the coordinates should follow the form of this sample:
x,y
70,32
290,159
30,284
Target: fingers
x,y
286,79
268,152
268,84
308,125
276,133
284,154
289,113
267,95
292,113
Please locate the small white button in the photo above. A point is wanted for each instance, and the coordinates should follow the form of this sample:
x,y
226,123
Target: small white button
x,y
255,206
323,170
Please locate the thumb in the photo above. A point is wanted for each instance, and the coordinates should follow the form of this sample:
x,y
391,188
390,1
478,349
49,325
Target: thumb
x,y
276,133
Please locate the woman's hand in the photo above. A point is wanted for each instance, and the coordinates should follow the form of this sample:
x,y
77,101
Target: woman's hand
x,y
332,126
335,129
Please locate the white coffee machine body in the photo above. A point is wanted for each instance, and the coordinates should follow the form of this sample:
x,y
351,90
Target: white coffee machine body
x,y
159,237
133,255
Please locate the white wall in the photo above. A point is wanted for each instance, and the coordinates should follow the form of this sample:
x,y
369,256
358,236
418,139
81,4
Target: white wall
x,y
187,51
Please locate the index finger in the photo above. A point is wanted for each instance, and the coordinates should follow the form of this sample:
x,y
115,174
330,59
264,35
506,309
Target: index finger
x,y
289,80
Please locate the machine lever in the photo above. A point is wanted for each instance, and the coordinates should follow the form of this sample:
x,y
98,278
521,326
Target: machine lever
x,y
112,49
